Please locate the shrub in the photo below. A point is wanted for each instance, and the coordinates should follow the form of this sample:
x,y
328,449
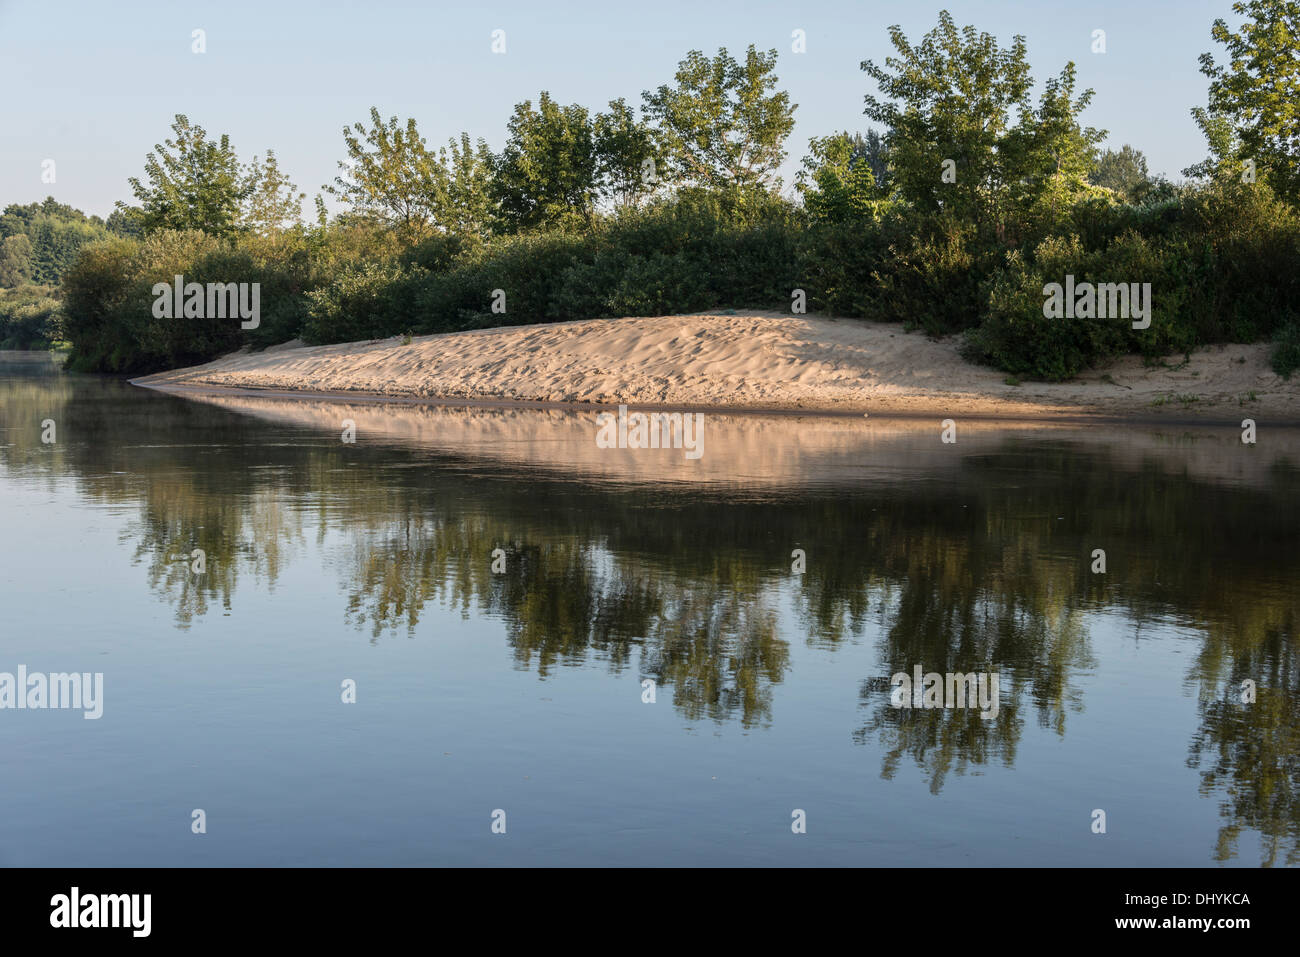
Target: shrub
x,y
1286,350
933,274
1017,337
371,301
30,317
109,301
1223,261
94,288
1249,253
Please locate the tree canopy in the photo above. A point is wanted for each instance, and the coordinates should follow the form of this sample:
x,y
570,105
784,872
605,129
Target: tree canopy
x,y
547,174
192,182
1254,102
723,123
963,136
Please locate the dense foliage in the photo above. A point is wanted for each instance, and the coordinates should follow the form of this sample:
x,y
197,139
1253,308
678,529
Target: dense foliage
x,y
954,218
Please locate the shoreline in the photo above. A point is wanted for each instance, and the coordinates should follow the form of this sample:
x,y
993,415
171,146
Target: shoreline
x,y
1064,418
741,363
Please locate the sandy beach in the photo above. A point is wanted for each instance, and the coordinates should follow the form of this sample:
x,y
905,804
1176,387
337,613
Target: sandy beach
x,y
748,360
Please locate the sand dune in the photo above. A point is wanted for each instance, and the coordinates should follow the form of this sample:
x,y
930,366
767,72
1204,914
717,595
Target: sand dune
x,y
748,360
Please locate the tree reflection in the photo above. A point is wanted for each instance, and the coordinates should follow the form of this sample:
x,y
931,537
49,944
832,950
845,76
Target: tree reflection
x,y
985,568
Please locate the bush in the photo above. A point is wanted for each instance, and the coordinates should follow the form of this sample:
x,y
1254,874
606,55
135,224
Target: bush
x,y
1017,337
673,257
372,301
94,289
30,317
1223,261
933,275
109,301
1249,253
441,252
1286,350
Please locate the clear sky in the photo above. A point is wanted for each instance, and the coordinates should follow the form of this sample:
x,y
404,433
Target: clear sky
x,y
94,85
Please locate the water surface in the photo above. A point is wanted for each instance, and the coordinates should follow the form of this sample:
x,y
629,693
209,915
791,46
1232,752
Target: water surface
x,y
523,690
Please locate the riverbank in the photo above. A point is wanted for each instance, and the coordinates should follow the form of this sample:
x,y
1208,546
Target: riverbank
x,y
748,360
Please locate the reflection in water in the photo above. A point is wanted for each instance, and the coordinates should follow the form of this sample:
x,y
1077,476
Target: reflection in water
x,y
962,558
1249,755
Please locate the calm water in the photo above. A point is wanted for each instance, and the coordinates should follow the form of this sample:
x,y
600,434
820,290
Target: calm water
x,y
523,691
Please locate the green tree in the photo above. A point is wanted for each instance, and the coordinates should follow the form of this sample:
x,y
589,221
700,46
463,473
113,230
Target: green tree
x,y
950,98
724,124
1048,155
21,219
1258,92
1123,171
192,183
273,202
1221,137
546,177
15,260
843,176
126,221
469,209
55,233
393,177
871,148
628,155
30,317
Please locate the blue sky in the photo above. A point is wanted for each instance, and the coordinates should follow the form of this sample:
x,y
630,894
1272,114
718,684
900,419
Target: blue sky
x,y
94,85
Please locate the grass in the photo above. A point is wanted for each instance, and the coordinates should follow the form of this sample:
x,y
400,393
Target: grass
x,y
1184,399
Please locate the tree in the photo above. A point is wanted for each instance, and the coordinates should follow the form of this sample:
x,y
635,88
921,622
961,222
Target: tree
x,y
1124,171
193,183
126,221
871,149
724,124
15,260
546,175
272,203
1224,145
843,176
947,108
628,155
469,181
1258,93
20,219
1048,155
55,234
390,175
949,104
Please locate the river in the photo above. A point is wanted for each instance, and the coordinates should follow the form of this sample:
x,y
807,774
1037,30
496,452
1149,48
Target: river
x,y
475,637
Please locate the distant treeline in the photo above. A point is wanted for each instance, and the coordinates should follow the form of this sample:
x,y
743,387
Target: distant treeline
x,y
970,198
38,243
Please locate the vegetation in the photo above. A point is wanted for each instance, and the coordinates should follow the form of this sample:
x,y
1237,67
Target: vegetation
x,y
38,244
30,317
952,217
